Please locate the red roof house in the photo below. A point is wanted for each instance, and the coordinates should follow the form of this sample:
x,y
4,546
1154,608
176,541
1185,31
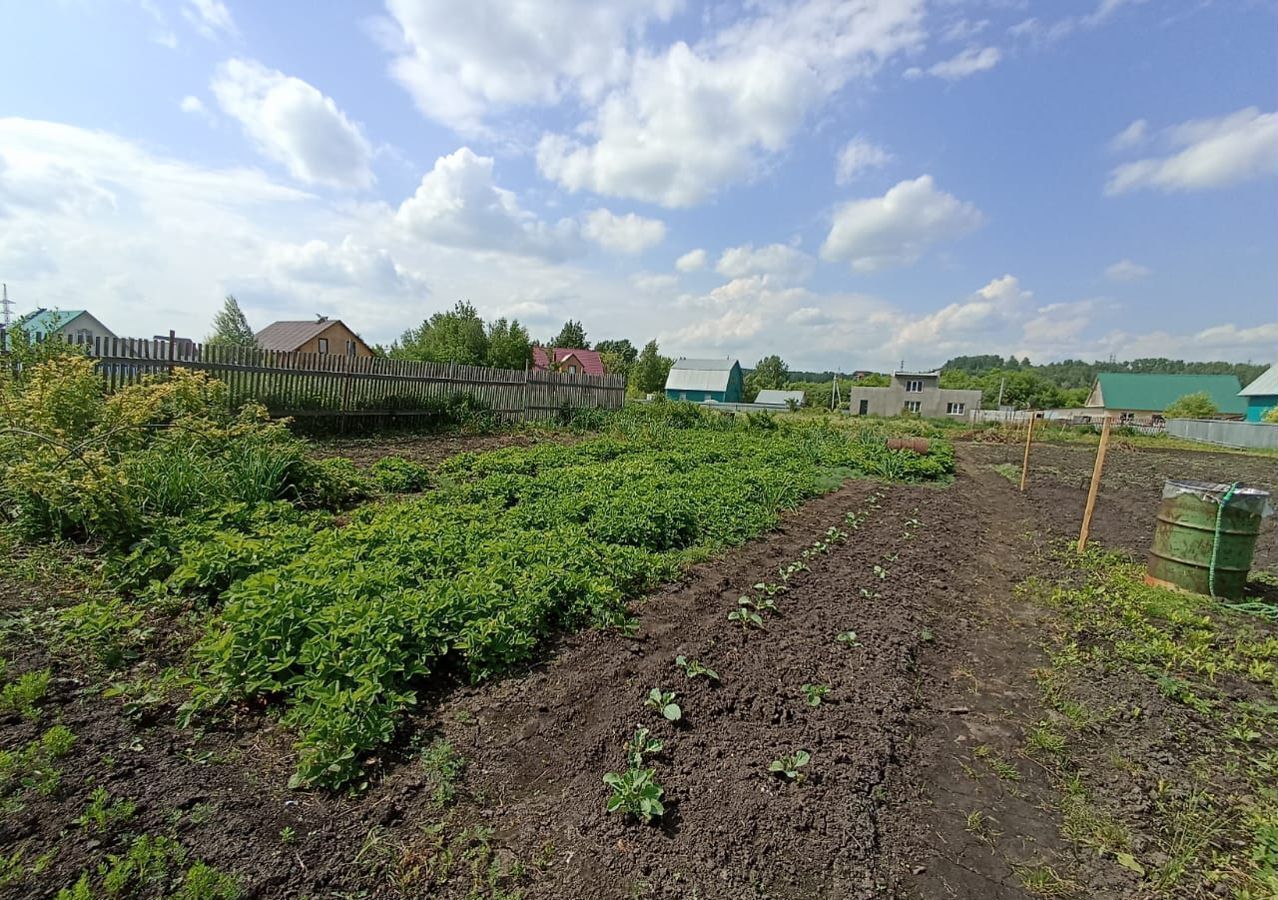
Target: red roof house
x,y
568,360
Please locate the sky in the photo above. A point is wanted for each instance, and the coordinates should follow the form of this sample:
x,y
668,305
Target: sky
x,y
852,185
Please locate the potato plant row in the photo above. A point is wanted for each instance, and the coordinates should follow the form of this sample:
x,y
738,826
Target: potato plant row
x,y
343,630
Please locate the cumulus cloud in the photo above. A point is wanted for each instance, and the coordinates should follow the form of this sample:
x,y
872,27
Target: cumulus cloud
x,y
465,62
210,17
1126,270
293,123
897,228
965,63
1207,153
998,302
859,155
192,104
779,263
692,261
349,263
458,204
623,234
692,119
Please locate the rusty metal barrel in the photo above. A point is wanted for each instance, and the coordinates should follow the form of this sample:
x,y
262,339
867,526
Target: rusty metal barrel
x,y
1205,537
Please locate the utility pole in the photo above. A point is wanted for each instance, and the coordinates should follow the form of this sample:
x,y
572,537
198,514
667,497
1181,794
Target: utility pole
x,y
1001,381
6,305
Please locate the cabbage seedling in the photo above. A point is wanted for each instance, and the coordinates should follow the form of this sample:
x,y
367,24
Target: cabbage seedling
x,y
788,766
641,745
664,703
814,693
692,668
746,618
635,791
847,638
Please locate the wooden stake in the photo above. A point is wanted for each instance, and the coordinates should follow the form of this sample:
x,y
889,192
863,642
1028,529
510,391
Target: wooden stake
x,y
1029,436
1091,494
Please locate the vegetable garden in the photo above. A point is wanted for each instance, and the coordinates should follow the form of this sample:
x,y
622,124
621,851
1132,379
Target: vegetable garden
x,y
476,677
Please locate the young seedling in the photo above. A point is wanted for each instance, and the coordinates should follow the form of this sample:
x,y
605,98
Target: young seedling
x,y
693,668
834,534
814,693
664,703
758,604
788,766
769,588
636,792
793,569
746,618
853,520
641,745
847,639
869,594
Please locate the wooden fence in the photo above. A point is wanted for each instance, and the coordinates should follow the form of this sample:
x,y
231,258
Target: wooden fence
x,y
306,385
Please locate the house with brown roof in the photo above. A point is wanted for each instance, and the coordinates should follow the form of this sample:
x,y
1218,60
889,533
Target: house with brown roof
x,y
568,360
321,335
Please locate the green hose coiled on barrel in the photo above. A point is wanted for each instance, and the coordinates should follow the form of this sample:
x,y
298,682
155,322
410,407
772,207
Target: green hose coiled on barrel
x,y
1215,539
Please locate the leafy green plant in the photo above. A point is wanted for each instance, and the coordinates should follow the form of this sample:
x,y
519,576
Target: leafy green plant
x,y
770,589
790,765
693,668
637,792
397,475
745,617
288,835
21,696
642,743
442,765
664,703
815,693
33,767
101,815
847,639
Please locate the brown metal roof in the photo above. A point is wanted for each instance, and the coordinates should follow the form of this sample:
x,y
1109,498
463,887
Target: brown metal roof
x,y
291,335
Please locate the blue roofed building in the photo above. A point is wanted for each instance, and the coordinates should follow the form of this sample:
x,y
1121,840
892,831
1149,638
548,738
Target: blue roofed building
x,y
1262,394
75,325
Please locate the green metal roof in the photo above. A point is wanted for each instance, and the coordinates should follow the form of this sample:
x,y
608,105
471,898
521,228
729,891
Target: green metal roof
x,y
44,321
1128,390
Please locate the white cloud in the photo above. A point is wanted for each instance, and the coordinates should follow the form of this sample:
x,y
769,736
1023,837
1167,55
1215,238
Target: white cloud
x,y
898,227
965,63
779,263
1209,153
623,234
1126,270
730,328
964,30
859,155
653,282
692,261
464,62
210,17
986,311
692,119
1130,137
193,104
1046,33
294,124
349,263
458,204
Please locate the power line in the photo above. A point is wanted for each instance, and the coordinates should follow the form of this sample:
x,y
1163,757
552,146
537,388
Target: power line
x,y
6,305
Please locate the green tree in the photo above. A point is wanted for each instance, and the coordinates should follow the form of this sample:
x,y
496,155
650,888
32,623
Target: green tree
x,y
572,335
651,369
770,373
230,328
1271,415
455,336
1192,406
618,356
508,345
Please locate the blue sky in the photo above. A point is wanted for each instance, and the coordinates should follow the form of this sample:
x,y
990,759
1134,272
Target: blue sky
x,y
848,184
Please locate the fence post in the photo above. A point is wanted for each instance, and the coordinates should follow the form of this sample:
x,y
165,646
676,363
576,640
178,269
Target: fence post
x,y
524,400
172,344
346,391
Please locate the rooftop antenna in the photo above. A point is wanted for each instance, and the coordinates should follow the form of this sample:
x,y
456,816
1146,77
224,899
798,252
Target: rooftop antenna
x,y
6,305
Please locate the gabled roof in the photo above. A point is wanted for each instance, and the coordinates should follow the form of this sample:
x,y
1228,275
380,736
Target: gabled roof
x,y
1264,386
780,398
700,374
1154,393
591,362
290,335
45,321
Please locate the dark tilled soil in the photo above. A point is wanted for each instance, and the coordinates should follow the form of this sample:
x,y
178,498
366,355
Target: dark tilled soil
x,y
943,665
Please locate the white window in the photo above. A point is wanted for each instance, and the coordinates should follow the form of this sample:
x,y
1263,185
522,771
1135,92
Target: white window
x,y
572,370
323,345
912,406
954,409
914,387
